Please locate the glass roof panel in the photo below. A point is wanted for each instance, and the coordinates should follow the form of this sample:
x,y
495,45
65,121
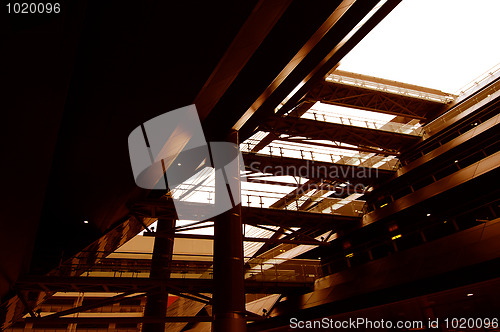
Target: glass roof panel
x,y
441,44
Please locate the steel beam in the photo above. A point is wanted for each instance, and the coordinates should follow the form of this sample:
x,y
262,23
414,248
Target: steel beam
x,y
319,60
372,100
339,52
121,320
297,111
316,170
320,130
342,147
156,304
276,183
107,301
255,29
249,239
295,194
141,285
251,215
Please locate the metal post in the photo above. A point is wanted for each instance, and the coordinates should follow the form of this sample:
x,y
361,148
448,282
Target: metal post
x,y
229,291
156,305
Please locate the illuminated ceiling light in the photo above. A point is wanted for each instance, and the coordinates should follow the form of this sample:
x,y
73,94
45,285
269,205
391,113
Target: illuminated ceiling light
x,y
383,205
428,214
396,237
470,294
456,161
85,221
349,255
179,164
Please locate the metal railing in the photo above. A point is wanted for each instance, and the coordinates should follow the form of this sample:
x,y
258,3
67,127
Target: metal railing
x,y
362,159
468,106
399,90
283,270
204,194
393,127
490,75
189,266
327,205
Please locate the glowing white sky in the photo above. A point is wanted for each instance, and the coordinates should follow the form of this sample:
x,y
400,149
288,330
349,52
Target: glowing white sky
x,y
441,44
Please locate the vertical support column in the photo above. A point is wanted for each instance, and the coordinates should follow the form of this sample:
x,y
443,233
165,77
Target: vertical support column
x,y
114,308
229,290
156,304
28,327
78,302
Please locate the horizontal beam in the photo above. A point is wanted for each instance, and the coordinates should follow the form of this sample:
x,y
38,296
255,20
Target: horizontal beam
x,y
276,183
305,220
108,301
297,111
391,83
372,100
155,208
119,320
251,35
294,195
249,239
342,147
320,130
312,169
140,285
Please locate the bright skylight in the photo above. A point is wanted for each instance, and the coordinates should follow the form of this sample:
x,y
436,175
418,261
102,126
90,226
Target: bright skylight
x,y
441,44
348,112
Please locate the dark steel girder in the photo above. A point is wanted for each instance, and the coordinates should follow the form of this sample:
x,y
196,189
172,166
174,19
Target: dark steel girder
x,y
98,304
339,191
289,218
277,183
251,35
389,141
141,285
293,234
295,194
247,239
130,320
119,320
334,46
253,216
316,170
337,146
297,111
372,100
